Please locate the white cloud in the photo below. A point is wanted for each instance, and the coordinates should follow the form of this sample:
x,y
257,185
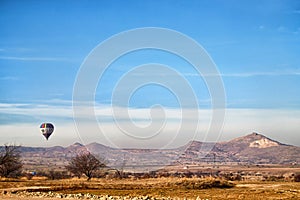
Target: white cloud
x,y
31,58
288,72
279,124
29,135
9,78
213,44
296,11
252,74
18,49
282,29
11,105
35,110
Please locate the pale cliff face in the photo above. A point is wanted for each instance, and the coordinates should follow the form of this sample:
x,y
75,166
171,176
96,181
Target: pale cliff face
x,y
263,143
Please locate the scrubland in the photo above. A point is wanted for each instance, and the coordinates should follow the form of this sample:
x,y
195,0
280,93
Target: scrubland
x,y
150,188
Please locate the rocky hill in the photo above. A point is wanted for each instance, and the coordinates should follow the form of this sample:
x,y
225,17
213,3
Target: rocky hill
x,y
250,149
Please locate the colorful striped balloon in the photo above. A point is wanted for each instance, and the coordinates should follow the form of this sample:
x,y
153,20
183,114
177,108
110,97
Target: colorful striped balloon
x,y
47,129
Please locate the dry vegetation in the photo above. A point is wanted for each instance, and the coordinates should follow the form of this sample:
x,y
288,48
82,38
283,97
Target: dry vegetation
x,y
174,188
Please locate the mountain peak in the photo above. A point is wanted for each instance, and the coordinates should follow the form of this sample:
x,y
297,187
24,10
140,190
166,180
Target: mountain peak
x,y
255,135
261,141
76,144
97,147
256,140
248,138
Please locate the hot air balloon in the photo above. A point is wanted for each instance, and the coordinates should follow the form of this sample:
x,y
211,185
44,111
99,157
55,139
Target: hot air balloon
x,y
47,129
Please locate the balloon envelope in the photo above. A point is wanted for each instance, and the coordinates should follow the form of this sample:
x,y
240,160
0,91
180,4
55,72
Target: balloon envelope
x,y
47,129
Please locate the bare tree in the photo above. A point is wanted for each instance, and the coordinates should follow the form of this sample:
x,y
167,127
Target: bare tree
x,y
10,161
85,163
120,172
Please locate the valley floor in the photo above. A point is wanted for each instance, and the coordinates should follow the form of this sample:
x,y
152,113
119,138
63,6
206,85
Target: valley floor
x,y
154,188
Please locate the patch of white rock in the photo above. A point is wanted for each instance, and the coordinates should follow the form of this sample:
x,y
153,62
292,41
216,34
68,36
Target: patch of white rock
x,y
263,143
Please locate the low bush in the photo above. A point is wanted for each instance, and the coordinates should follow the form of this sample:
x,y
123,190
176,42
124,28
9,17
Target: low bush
x,y
297,177
202,183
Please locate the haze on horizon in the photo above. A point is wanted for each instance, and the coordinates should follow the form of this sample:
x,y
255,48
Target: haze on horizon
x,y
255,46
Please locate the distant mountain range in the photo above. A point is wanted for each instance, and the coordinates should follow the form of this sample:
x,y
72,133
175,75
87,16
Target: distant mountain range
x,y
250,149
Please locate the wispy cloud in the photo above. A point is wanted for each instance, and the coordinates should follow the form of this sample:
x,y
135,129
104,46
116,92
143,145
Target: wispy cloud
x,y
12,105
295,12
285,29
238,74
237,122
18,49
251,74
222,44
9,78
64,110
261,27
280,29
31,58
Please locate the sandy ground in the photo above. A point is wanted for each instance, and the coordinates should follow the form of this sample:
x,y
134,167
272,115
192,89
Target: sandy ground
x,y
242,190
16,197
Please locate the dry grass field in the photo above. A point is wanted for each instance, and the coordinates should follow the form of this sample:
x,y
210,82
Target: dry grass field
x,y
159,188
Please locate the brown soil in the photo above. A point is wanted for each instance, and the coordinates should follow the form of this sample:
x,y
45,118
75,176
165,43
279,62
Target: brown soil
x,y
160,188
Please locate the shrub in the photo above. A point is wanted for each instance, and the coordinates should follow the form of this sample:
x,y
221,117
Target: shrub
x,y
297,177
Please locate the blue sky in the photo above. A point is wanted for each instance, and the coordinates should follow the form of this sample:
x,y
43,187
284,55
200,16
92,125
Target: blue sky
x,y
255,45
